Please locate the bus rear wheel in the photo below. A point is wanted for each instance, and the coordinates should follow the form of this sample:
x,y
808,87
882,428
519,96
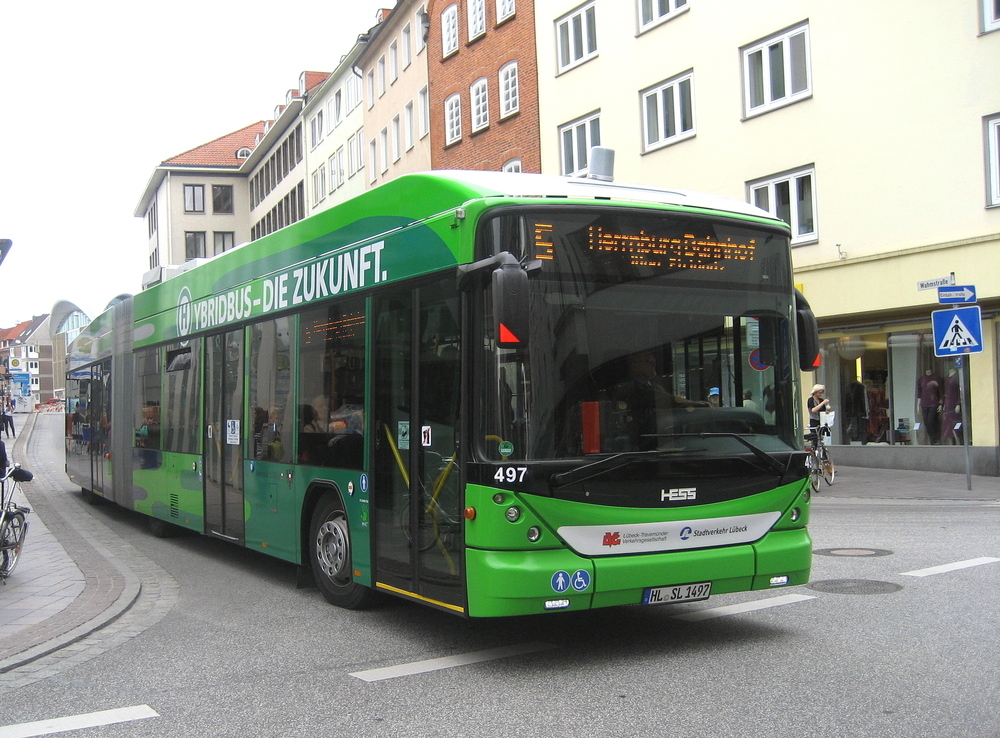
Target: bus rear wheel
x,y
330,556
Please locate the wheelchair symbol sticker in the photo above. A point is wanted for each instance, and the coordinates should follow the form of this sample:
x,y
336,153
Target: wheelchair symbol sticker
x,y
581,580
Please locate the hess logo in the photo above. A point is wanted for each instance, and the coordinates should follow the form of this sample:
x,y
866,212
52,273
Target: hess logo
x,y
678,494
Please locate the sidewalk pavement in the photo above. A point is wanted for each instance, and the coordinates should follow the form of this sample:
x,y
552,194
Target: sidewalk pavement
x,y
71,582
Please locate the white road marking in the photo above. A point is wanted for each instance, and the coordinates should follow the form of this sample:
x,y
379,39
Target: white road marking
x,y
944,568
447,662
77,722
718,612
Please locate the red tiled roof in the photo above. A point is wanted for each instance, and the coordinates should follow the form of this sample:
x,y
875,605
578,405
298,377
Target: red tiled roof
x,y
313,79
222,151
9,334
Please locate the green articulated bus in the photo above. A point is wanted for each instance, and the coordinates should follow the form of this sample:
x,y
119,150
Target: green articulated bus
x,y
495,394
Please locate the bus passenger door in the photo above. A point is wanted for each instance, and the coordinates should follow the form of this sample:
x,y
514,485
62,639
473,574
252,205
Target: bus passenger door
x,y
224,435
416,484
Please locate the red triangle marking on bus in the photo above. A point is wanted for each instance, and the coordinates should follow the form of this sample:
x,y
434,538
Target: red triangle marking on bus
x,y
506,336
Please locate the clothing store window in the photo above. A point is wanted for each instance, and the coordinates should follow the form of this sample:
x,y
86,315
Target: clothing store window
x,y
889,388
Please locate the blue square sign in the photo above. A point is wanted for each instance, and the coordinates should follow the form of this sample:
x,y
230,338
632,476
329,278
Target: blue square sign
x,y
958,331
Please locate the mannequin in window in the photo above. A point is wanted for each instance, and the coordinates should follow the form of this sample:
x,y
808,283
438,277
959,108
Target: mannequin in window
x,y
929,401
952,410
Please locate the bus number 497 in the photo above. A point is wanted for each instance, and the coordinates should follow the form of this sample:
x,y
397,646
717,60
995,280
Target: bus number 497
x,y
511,474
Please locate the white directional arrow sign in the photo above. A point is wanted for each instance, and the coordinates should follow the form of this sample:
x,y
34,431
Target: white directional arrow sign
x,y
958,294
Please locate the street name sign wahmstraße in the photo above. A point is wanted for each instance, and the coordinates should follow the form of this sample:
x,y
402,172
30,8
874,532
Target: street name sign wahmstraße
x,y
930,284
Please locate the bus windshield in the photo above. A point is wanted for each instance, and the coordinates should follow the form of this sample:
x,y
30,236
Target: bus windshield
x,y
659,332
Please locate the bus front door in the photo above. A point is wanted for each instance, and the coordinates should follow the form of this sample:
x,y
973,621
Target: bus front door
x,y
224,438
416,487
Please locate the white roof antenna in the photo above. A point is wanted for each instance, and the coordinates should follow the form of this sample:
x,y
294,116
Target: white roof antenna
x,y
602,164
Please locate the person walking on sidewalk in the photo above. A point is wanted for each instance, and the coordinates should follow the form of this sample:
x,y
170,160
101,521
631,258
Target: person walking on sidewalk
x,y
8,418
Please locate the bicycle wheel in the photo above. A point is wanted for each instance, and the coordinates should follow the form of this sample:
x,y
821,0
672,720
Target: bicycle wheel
x,y
826,465
813,468
12,541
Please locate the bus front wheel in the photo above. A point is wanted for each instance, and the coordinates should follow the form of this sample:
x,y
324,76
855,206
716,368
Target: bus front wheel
x,y
330,556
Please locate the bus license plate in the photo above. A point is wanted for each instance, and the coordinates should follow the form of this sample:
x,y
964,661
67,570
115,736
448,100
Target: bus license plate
x,y
681,593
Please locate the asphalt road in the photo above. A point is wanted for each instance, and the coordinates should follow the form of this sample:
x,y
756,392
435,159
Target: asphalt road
x,y
882,643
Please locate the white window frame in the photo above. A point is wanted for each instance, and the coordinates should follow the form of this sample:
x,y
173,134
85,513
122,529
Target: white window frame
x,y
380,65
316,130
424,111
479,102
319,185
418,23
509,91
449,30
409,132
991,16
452,119
578,150
505,9
512,165
370,78
407,45
576,37
666,109
393,62
477,18
383,150
341,157
991,125
654,12
397,143
801,217
372,161
768,85
332,163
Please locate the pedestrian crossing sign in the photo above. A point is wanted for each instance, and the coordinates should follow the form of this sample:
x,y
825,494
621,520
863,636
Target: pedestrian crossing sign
x,y
957,331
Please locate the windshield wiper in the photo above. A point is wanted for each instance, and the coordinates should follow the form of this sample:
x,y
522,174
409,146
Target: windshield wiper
x,y
769,461
588,471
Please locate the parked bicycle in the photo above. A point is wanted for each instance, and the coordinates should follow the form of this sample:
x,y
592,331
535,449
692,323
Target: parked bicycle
x,y
818,461
13,519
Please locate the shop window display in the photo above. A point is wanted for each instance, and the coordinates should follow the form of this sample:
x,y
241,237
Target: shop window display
x,y
889,388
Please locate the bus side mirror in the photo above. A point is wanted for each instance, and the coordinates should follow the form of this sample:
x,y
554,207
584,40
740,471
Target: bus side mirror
x,y
807,330
510,304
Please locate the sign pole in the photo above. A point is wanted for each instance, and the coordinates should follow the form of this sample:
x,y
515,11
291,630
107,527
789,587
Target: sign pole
x,y
965,418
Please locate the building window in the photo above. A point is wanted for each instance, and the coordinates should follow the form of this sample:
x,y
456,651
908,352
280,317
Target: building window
x,y
508,90
380,66
397,144
393,62
194,198
341,164
505,9
425,112
224,240
194,245
477,18
151,219
372,161
370,79
480,105
991,15
449,30
316,129
222,198
576,35
453,119
653,12
512,165
408,123
790,196
319,185
668,112
243,152
993,160
383,150
776,71
404,38
576,140
423,26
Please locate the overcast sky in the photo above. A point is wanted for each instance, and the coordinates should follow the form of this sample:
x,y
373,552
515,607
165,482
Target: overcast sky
x,y
93,96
